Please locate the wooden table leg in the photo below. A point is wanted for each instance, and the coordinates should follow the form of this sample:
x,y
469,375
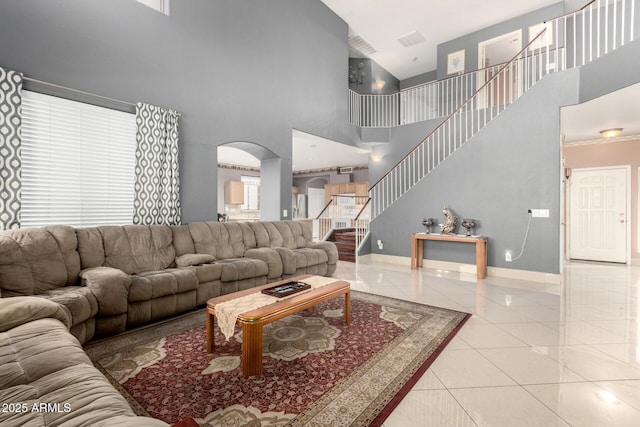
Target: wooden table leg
x,y
481,258
251,349
210,331
347,307
420,252
414,255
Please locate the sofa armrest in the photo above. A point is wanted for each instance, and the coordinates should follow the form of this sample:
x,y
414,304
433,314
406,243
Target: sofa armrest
x,y
329,247
189,260
15,311
288,260
271,257
111,288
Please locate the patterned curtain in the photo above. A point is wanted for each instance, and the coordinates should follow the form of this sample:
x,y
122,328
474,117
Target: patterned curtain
x,y
10,137
157,188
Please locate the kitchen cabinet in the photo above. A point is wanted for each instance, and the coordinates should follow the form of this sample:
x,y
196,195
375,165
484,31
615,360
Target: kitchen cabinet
x,y
233,193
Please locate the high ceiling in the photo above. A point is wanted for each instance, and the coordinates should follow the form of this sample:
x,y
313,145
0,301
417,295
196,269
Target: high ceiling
x,y
382,22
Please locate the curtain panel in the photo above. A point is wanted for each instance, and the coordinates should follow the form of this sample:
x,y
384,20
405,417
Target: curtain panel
x,y
157,187
10,139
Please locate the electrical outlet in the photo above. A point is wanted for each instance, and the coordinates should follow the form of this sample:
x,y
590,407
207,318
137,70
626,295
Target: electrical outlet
x,y
380,244
285,212
507,256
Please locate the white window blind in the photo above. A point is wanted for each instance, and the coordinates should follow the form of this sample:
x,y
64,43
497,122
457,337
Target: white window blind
x,y
78,163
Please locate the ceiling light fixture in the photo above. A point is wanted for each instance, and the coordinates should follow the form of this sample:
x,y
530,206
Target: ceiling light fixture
x,y
610,133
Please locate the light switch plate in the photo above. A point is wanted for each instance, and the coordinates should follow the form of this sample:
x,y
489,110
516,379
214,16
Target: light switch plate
x,y
540,213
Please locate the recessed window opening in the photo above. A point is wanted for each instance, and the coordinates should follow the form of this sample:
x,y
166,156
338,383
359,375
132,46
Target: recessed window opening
x,y
251,192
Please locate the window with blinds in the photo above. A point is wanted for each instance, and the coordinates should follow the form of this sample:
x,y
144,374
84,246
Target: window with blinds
x,y
78,163
251,192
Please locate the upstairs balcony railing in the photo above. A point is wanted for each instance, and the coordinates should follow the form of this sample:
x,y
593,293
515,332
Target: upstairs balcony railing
x,y
569,41
416,104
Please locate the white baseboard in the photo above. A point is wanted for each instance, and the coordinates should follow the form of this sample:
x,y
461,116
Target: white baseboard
x,y
507,273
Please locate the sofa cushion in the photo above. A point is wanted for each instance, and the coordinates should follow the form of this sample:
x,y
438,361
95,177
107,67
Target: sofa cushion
x,y
267,234
296,234
90,247
40,362
242,268
25,356
222,239
80,302
306,257
34,260
182,241
19,310
156,284
271,257
207,272
137,248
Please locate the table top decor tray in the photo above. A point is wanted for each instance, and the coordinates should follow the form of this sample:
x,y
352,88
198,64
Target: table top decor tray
x,y
286,289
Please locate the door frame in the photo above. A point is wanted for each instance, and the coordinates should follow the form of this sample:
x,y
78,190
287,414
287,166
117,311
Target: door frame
x,y
481,60
569,195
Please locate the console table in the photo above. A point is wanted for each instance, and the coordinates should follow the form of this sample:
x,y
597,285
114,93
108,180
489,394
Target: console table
x,y
417,249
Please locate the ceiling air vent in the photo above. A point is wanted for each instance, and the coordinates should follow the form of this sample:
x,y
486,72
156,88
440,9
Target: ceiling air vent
x,y
359,44
345,169
412,39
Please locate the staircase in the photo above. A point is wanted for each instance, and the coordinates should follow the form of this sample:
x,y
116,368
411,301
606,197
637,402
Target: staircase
x,y
345,221
345,241
569,41
566,42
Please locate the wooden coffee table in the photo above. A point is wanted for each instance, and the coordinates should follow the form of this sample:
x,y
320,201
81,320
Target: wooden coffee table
x,y
253,321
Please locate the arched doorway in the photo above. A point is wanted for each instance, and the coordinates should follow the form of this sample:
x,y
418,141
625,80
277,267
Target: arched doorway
x,y
243,193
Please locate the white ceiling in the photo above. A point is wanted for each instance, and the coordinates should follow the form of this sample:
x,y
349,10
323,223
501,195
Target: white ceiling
x,y
619,109
382,22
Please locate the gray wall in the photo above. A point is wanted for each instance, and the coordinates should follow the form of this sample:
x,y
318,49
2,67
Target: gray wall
x,y
470,42
373,72
419,79
615,71
237,71
512,165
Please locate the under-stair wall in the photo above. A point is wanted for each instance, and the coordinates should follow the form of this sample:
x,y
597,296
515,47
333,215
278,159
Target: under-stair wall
x,y
616,70
512,165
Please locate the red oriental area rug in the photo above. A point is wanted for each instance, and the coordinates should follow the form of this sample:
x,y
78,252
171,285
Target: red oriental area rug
x,y
316,370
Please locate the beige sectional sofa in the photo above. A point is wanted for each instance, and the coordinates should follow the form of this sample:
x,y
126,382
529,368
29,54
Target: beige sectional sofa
x,y
46,379
110,278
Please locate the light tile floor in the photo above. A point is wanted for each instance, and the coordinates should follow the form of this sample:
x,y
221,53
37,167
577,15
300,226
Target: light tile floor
x,y
533,354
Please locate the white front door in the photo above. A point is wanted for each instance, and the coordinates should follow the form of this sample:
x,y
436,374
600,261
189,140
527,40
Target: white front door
x,y
598,214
